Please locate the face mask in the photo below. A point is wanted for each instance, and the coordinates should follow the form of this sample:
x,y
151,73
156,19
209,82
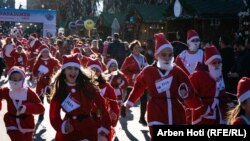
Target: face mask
x,y
215,73
193,46
165,65
15,85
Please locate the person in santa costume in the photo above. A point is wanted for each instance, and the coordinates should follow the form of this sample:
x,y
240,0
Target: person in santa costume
x,y
116,78
131,67
240,114
74,93
209,86
188,59
20,57
22,103
168,87
45,66
8,50
34,46
108,92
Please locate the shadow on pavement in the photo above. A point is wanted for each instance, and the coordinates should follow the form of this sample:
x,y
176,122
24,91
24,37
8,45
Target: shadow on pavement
x,y
124,125
145,134
38,135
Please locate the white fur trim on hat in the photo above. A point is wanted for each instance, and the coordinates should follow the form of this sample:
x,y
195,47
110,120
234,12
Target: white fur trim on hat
x,y
71,64
194,37
212,58
32,37
17,70
163,47
244,96
111,61
44,49
95,66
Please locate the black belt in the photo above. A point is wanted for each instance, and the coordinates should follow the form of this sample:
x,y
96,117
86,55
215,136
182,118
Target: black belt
x,y
19,116
78,117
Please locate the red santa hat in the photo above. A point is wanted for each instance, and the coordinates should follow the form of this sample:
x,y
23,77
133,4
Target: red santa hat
x,y
210,54
16,69
243,89
111,61
192,34
95,63
33,36
161,43
71,61
43,48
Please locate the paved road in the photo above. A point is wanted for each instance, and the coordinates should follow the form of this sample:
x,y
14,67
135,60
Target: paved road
x,y
128,129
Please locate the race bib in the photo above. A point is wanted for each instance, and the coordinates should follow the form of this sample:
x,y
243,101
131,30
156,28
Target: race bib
x,y
70,104
20,59
43,69
163,85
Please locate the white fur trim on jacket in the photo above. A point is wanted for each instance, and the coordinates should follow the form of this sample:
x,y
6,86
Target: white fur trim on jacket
x,y
105,130
155,123
129,103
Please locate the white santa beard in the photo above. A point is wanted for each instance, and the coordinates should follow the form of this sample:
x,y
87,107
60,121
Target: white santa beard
x,y
193,46
165,65
215,73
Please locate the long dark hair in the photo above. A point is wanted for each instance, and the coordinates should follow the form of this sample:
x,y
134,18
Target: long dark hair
x,y
83,84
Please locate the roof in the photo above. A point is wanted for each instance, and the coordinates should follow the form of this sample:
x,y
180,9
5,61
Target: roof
x,y
150,13
107,18
208,8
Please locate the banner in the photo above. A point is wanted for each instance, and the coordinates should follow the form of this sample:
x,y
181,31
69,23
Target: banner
x,y
47,17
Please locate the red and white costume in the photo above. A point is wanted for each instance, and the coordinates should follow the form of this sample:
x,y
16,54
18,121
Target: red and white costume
x,y
20,58
132,66
34,47
108,92
188,61
43,69
243,94
165,106
20,124
8,50
117,80
77,108
211,91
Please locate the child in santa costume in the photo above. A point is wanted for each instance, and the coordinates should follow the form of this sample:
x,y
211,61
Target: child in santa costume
x,y
131,67
108,92
168,86
240,114
116,78
188,59
22,103
20,57
75,94
44,67
209,86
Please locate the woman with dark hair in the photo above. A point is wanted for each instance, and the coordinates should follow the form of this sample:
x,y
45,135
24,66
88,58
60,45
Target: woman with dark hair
x,y
76,95
108,92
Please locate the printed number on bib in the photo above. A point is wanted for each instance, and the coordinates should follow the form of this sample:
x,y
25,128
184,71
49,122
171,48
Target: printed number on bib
x,y
69,104
163,84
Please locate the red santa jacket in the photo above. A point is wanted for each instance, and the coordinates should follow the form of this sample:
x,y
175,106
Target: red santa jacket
x,y
8,51
79,106
46,67
34,46
131,67
119,82
21,120
165,105
20,59
182,61
213,96
241,120
108,92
